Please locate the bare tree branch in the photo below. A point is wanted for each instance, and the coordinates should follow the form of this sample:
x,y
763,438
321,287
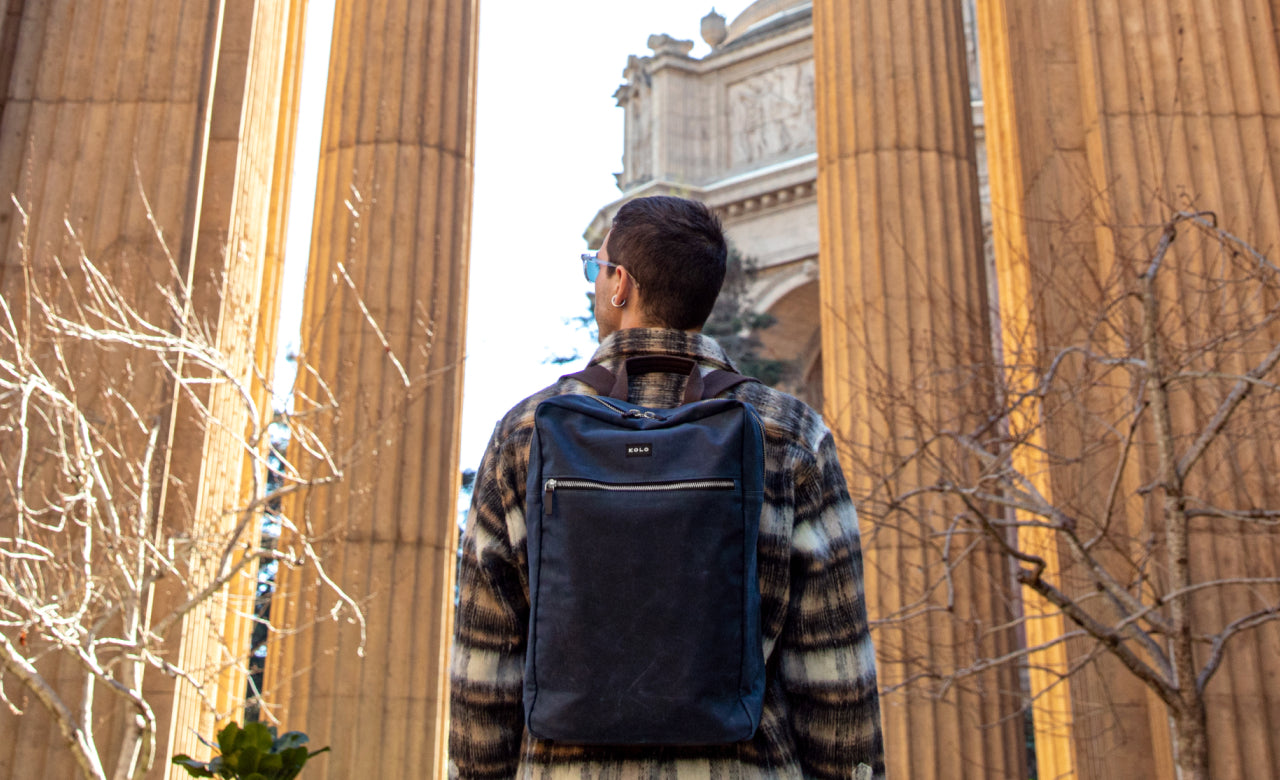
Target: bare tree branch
x,y
1112,639
1242,390
1234,629
1262,516
82,749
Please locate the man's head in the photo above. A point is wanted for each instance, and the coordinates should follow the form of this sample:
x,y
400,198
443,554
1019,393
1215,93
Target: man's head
x,y
667,259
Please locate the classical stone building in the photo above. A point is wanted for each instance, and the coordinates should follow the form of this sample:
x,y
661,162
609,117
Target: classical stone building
x,y
737,129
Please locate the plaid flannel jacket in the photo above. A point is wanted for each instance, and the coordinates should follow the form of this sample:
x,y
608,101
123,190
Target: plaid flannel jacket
x,y
821,712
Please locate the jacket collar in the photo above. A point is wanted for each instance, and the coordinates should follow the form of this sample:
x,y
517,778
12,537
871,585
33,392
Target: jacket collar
x,y
632,342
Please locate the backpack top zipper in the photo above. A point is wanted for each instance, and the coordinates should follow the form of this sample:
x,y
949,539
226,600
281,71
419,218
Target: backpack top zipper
x,y
550,486
635,413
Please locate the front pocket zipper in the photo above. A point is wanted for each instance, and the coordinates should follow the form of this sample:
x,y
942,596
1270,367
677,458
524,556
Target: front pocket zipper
x,y
552,485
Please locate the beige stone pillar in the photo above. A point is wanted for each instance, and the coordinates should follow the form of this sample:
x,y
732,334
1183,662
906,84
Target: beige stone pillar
x,y
382,334
1103,118
239,223
1051,707
243,594
905,326
263,76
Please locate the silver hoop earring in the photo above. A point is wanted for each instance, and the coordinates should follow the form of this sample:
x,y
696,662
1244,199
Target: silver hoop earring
x,y
616,305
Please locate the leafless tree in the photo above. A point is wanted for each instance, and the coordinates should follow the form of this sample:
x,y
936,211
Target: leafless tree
x,y
1136,429
99,569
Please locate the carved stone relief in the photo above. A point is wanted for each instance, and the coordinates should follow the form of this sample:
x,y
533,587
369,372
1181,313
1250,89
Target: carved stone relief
x,y
772,113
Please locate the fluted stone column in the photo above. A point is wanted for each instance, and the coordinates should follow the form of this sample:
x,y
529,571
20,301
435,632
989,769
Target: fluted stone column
x,y
270,33
1103,118
127,120
382,347
905,351
252,118
1052,705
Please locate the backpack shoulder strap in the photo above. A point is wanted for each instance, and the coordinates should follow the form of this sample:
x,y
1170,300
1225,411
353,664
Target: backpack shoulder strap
x,y
596,376
717,381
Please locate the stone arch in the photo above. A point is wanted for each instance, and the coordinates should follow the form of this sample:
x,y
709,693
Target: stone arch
x,y
796,335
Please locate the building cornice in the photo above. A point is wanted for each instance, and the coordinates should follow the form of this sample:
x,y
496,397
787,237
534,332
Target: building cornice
x,y
773,186
664,58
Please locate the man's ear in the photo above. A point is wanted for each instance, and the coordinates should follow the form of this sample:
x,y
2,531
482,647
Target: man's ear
x,y
623,285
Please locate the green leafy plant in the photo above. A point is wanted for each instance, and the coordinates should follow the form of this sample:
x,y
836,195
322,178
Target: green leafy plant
x,y
253,752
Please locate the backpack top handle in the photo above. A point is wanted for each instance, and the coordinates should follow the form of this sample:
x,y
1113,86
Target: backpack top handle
x,y
697,388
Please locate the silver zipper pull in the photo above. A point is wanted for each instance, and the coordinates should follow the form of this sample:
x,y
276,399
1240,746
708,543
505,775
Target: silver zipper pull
x,y
548,492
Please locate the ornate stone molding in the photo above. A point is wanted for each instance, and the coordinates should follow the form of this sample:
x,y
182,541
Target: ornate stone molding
x,y
756,203
665,44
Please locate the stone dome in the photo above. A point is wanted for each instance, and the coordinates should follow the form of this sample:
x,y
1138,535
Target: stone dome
x,y
761,11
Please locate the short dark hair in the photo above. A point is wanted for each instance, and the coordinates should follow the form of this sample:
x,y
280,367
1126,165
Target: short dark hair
x,y
675,248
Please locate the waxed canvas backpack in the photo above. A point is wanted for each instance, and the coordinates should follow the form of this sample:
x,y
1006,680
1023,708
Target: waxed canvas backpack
x,y
644,624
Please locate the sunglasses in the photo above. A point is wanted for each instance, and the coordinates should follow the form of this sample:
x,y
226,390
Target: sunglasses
x,y
591,266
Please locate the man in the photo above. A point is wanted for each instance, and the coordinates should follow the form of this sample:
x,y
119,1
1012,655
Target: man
x,y
656,279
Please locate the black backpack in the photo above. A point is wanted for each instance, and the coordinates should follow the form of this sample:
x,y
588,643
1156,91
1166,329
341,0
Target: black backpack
x,y
644,623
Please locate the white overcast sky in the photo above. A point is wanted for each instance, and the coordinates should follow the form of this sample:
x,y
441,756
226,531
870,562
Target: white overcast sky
x,y
548,141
